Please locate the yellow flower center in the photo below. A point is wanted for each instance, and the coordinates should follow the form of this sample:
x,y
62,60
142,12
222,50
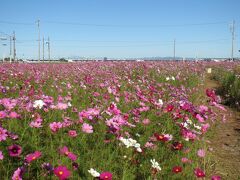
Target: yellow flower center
x,y
60,172
106,177
33,157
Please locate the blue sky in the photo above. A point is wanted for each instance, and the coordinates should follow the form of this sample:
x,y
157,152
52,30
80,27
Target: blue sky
x,y
123,28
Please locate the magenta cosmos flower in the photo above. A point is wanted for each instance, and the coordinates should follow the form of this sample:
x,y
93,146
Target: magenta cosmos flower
x,y
3,134
87,128
105,176
199,173
14,150
30,157
62,172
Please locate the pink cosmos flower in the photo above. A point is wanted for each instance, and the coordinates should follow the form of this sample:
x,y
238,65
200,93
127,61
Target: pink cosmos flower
x,y
87,128
146,121
55,126
17,175
150,145
203,109
112,109
1,155
144,109
201,153
205,127
72,133
30,157
67,153
105,176
116,122
9,103
14,150
188,135
200,118
3,134
185,160
62,172
2,114
62,106
199,173
13,115
215,177
36,123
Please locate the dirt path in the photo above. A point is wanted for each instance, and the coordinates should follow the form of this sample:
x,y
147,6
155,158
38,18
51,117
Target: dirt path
x,y
226,142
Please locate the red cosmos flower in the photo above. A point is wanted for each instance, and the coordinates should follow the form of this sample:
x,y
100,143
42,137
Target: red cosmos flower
x,y
177,169
62,172
199,173
112,106
126,116
160,137
14,150
105,176
30,157
169,108
177,146
211,93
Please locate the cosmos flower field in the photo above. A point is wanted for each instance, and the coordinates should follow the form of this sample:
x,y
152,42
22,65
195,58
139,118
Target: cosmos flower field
x,y
106,120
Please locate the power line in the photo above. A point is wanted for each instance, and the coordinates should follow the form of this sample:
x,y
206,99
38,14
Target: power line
x,y
137,26
16,23
116,25
211,40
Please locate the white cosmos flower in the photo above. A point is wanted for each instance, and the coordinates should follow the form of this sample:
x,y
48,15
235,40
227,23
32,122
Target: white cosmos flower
x,y
131,143
167,78
38,104
189,121
184,124
139,150
160,101
69,104
173,78
93,172
197,127
155,165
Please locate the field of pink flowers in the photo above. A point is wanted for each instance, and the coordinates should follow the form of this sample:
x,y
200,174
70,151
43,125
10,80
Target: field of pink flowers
x,y
105,120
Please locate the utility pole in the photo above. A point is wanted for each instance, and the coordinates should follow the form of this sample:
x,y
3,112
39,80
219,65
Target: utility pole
x,y
48,48
10,45
233,38
174,49
38,25
14,46
43,47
